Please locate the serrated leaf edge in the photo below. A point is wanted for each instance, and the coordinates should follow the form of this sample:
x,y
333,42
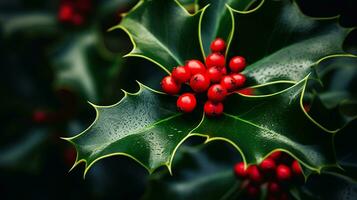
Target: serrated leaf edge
x,y
131,54
318,169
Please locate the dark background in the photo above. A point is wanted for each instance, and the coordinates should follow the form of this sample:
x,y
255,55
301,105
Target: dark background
x,y
35,112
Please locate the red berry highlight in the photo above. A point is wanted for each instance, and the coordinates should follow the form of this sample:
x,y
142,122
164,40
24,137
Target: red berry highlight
x,y
295,166
237,64
267,165
170,86
186,102
181,74
216,93
218,45
239,170
196,67
228,82
215,59
215,74
199,82
239,79
213,109
275,155
283,173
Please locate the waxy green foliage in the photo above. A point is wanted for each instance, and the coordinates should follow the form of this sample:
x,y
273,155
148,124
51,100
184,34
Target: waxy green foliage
x,y
282,45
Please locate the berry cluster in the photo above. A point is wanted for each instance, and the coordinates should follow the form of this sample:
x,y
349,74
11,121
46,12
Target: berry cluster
x,y
276,173
212,78
74,12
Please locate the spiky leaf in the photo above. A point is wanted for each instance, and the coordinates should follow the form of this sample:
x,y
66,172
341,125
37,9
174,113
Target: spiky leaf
x,y
144,126
281,43
288,45
163,32
264,123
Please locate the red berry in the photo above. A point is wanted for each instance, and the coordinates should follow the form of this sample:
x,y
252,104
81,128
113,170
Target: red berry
x,y
196,67
181,74
283,173
228,82
213,109
170,86
237,64
39,116
218,45
252,191
65,13
275,155
239,79
186,102
306,107
254,174
224,70
267,165
199,82
295,166
274,188
215,74
239,170
215,59
77,19
216,93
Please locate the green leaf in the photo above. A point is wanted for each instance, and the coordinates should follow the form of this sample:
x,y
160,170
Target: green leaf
x,y
342,187
82,62
31,23
257,125
288,45
346,151
147,127
281,43
144,126
24,153
218,20
163,32
333,98
338,76
200,173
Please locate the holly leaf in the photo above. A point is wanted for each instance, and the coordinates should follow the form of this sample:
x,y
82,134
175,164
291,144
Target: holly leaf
x,y
29,23
281,43
338,76
200,173
167,37
332,98
144,126
24,153
294,45
265,123
218,20
344,188
82,63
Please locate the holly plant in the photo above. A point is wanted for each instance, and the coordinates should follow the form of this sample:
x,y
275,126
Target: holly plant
x,y
238,71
